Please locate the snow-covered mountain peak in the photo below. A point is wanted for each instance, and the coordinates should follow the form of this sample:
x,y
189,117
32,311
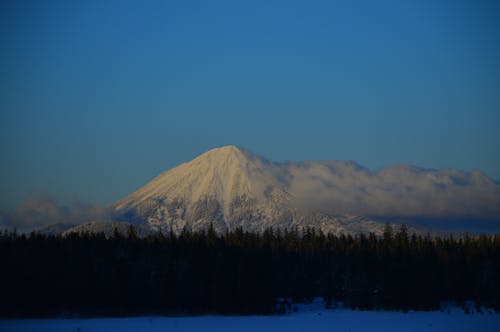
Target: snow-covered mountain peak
x,y
222,162
222,174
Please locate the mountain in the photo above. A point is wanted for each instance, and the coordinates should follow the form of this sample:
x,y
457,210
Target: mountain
x,y
108,227
230,187
54,229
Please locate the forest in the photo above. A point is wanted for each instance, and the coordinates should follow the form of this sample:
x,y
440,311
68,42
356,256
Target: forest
x,y
242,273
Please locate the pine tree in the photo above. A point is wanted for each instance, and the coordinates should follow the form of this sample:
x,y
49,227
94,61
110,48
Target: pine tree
x,y
131,233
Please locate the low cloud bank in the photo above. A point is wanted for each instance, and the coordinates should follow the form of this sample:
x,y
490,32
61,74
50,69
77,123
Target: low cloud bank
x,y
399,191
42,210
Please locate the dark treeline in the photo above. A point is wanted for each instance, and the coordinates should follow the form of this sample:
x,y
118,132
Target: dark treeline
x,y
241,273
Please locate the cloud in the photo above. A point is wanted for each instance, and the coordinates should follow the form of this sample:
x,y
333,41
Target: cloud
x,y
340,187
41,210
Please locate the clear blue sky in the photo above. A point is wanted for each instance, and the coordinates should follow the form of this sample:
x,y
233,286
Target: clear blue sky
x,y
98,97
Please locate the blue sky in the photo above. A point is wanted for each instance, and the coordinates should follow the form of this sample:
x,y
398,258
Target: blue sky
x,y
98,97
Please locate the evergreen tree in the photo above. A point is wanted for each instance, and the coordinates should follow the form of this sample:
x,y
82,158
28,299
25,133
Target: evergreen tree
x,y
131,233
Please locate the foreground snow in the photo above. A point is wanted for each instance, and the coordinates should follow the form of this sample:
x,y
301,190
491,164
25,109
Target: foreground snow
x,y
309,317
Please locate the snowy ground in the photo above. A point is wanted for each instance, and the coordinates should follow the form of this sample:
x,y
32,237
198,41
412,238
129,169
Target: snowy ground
x,y
309,317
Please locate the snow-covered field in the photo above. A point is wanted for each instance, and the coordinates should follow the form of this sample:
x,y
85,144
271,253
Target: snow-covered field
x,y
309,317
